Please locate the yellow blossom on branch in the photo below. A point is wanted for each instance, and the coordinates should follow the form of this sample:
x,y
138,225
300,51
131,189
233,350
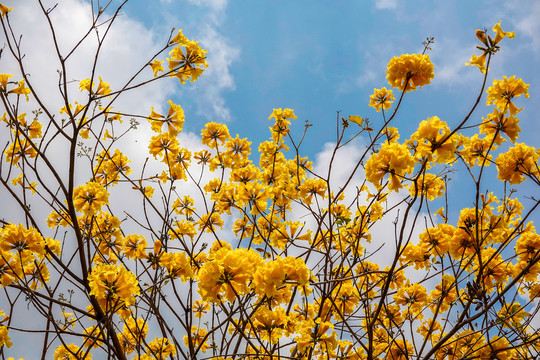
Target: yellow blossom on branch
x,y
102,89
89,198
409,71
214,132
188,59
519,161
503,91
112,283
489,45
21,90
156,66
381,99
4,80
4,337
4,9
174,119
393,159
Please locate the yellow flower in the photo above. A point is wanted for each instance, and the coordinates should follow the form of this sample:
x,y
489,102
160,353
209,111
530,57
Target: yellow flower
x,y
503,91
269,324
475,149
4,9
135,247
427,141
238,149
163,143
109,168
174,119
315,333
214,132
27,243
183,227
209,222
71,352
518,161
444,294
282,114
413,296
407,72
346,298
479,61
400,350
312,187
489,46
110,283
4,78
33,129
381,99
501,34
21,90
512,315
133,334
188,59
527,245
356,119
102,89
94,337
282,122
428,185
4,338
227,274
497,123
393,159
184,206
275,278
180,38
200,308
437,240
199,339
20,149
177,265
156,66
89,198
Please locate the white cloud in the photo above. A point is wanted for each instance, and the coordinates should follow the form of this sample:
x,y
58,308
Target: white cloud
x,y
215,5
126,49
529,25
449,57
386,4
217,79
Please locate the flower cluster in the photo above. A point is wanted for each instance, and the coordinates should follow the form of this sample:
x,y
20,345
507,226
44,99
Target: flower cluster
x,y
90,198
409,71
114,286
188,59
24,254
489,45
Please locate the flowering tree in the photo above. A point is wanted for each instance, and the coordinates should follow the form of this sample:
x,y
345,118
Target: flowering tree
x,y
266,258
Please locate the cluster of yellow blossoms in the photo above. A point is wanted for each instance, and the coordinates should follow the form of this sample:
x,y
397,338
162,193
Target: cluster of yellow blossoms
x,y
187,62
407,72
23,256
281,285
